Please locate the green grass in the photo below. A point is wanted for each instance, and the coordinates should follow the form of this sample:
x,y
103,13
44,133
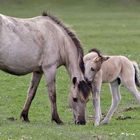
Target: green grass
x,y
114,28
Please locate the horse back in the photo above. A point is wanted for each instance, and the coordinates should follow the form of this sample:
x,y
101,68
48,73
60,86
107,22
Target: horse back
x,y
111,69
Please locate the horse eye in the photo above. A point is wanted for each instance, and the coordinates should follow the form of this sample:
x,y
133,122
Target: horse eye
x,y
92,69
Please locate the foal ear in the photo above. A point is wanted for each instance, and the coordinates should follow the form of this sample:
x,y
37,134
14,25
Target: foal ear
x,y
97,59
101,59
74,80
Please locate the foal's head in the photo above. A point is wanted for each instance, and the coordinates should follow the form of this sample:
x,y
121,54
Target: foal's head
x,y
78,98
93,64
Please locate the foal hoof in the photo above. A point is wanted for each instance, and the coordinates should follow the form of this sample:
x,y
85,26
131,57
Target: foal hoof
x,y
96,124
104,122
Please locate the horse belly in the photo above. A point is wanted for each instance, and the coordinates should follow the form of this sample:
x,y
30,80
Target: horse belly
x,y
21,45
110,73
20,60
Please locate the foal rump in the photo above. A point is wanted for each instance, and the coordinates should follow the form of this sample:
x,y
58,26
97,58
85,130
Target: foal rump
x,y
136,67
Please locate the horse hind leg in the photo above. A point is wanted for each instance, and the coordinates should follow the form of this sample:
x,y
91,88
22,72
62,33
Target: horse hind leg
x,y
131,86
116,97
36,77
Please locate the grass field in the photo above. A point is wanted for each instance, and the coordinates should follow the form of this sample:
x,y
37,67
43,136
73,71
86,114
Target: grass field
x,y
114,28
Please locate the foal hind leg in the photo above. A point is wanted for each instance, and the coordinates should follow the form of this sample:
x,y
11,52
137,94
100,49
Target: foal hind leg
x,y
50,79
131,86
116,97
36,77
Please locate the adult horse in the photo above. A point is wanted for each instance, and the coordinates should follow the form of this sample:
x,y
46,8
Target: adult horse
x,y
40,45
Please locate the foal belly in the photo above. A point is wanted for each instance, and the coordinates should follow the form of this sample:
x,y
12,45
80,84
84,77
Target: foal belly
x,y
110,75
109,78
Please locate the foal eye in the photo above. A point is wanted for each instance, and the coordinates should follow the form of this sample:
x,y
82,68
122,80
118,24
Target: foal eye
x,y
92,69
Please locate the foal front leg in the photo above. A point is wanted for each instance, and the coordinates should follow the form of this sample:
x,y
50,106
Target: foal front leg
x,y
50,79
96,102
36,77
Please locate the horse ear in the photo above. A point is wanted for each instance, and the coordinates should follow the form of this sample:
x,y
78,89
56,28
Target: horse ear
x,y
101,59
97,59
74,80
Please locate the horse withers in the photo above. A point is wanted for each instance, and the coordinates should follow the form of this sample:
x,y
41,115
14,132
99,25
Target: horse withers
x,y
40,45
113,70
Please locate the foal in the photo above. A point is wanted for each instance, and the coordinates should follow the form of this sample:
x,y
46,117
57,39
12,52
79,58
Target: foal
x,y
113,70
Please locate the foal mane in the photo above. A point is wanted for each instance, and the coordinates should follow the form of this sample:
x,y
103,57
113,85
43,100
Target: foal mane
x,y
96,51
72,36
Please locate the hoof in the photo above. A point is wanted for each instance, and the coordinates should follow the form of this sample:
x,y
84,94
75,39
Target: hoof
x,y
58,121
96,124
24,117
104,122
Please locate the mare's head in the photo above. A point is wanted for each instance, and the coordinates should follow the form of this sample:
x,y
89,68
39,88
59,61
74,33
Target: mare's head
x,y
78,98
80,89
93,63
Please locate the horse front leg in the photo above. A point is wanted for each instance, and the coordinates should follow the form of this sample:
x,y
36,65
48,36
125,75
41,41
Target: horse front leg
x,y
36,77
96,103
50,79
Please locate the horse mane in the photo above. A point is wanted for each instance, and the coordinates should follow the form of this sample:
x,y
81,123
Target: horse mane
x,y
72,36
85,89
96,51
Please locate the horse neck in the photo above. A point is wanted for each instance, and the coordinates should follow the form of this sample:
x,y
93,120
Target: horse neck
x,y
72,64
74,71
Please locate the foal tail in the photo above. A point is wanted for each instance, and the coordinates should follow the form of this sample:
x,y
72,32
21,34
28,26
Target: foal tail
x,y
137,72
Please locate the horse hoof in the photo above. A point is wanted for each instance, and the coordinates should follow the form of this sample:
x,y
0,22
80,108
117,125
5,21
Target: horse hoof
x,y
24,117
96,124
59,122
104,122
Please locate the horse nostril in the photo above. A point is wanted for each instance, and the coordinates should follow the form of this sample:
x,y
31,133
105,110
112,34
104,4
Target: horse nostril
x,y
75,99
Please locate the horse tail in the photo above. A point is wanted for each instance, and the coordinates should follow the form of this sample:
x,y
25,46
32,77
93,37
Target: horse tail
x,y
137,72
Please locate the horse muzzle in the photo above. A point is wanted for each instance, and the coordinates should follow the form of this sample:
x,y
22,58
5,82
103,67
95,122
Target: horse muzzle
x,y
82,122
